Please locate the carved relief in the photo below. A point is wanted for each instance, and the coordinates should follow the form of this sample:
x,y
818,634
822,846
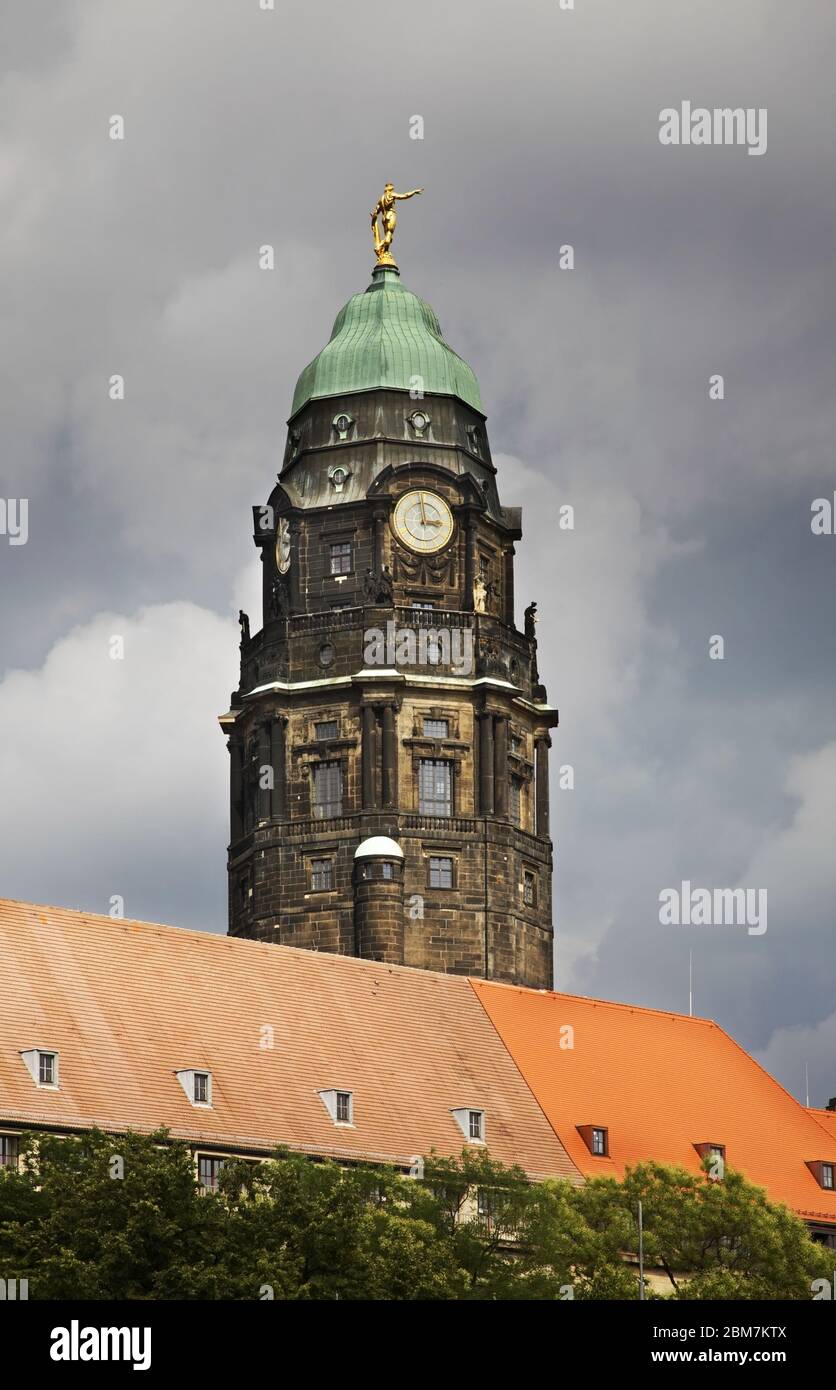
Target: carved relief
x,y
429,571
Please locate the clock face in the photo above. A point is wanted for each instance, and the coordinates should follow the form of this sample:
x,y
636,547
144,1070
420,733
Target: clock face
x,y
423,521
283,546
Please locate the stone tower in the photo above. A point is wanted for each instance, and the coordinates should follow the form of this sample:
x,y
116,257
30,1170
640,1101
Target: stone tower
x,y
389,737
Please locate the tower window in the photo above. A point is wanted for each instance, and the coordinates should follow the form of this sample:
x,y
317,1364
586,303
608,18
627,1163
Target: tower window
x,y
208,1172
436,728
46,1069
529,888
435,787
515,801
341,557
322,875
8,1150
328,790
441,872
387,870
326,728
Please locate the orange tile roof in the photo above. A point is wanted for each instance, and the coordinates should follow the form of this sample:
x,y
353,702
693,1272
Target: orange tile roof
x,y
827,1119
661,1083
126,1004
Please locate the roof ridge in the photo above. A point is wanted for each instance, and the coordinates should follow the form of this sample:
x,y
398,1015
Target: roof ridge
x,y
79,915
607,1003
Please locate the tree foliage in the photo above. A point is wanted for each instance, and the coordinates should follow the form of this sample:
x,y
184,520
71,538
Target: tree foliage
x,y
98,1217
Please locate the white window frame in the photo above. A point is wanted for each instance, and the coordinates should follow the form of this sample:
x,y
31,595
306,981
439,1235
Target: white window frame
x,y
31,1057
186,1077
329,1100
462,1116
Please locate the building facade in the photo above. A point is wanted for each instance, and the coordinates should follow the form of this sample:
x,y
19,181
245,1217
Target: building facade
x,y
389,737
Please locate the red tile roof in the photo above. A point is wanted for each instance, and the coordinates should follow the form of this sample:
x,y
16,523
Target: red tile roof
x,y
126,1004
661,1083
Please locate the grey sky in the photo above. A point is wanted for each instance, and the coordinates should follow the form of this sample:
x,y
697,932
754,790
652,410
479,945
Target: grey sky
x,y
246,127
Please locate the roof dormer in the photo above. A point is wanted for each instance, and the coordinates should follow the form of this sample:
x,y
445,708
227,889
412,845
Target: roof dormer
x,y
197,1085
42,1065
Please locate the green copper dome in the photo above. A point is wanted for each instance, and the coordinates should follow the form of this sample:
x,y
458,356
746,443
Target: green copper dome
x,y
385,337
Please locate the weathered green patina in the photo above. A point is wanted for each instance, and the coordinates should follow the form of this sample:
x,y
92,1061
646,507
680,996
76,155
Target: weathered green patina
x,y
386,337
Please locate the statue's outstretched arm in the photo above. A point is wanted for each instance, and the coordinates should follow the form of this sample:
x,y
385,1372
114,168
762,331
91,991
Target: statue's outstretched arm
x,y
410,194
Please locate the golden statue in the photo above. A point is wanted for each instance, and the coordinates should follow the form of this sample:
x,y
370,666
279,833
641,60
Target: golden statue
x,y
387,212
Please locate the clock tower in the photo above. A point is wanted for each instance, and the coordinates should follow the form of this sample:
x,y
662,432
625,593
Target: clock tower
x,y
389,737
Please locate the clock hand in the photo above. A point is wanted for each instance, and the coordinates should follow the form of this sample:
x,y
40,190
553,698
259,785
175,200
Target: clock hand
x,y
423,513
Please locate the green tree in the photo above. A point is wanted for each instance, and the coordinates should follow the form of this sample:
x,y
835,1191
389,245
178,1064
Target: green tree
x,y
719,1238
98,1217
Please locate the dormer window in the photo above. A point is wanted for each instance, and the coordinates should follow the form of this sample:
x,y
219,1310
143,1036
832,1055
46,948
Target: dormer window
x,y
197,1086
711,1151
471,1122
823,1171
342,424
419,420
596,1138
340,1106
339,476
42,1065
